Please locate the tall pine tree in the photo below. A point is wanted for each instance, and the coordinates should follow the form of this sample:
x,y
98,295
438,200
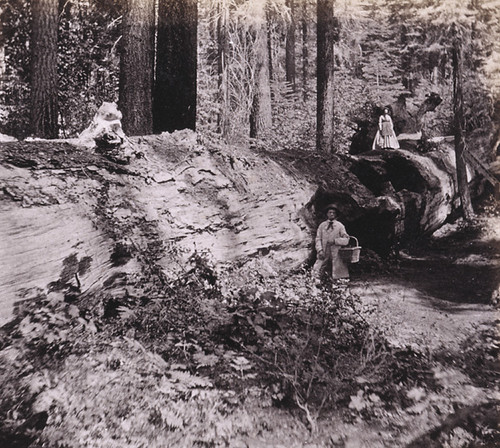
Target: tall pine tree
x,y
44,104
174,99
136,67
222,69
260,113
290,69
327,34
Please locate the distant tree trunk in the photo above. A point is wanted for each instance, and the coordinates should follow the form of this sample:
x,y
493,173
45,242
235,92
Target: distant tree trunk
x,y
174,99
269,43
44,105
290,46
305,51
260,113
136,67
326,36
222,55
495,134
458,110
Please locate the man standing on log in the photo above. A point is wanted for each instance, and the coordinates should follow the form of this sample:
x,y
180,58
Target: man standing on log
x,y
331,235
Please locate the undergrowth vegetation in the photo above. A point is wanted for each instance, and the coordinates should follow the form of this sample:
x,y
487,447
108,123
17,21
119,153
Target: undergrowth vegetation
x,y
188,362
150,367
302,343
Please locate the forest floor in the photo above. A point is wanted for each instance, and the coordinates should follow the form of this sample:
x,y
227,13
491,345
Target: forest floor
x,y
242,356
424,375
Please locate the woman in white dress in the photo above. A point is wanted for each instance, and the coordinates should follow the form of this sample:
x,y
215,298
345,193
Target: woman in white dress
x,y
385,137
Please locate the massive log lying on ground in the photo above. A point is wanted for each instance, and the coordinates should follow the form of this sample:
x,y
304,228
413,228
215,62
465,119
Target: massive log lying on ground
x,y
385,198
415,195
72,221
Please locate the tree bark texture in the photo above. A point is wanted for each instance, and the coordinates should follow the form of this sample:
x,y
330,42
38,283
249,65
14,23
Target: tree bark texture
x,y
458,110
382,197
305,50
222,69
326,30
174,100
136,67
495,133
260,113
44,104
290,46
269,43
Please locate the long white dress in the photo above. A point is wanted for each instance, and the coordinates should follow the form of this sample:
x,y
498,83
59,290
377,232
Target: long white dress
x,y
385,137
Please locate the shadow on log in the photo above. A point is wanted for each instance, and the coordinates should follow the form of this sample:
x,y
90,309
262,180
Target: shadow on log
x,y
74,221
385,198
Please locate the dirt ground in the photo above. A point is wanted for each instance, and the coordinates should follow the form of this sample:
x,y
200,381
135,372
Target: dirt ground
x,y
440,293
138,370
447,349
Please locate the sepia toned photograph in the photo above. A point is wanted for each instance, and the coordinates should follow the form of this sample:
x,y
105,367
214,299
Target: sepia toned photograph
x,y
249,223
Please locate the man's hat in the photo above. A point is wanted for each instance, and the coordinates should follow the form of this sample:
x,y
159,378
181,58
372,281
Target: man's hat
x,y
331,207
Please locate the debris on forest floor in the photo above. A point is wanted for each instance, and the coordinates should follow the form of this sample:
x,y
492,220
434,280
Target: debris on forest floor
x,y
416,316
278,363
238,354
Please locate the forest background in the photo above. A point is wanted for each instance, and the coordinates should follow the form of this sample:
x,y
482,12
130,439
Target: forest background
x,y
208,357
259,57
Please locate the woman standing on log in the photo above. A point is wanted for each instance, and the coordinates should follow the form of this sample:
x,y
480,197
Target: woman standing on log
x,y
385,137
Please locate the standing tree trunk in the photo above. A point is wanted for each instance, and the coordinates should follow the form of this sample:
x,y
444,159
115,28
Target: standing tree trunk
x,y
260,113
44,109
222,69
326,36
174,101
495,134
458,110
305,51
290,46
136,67
269,42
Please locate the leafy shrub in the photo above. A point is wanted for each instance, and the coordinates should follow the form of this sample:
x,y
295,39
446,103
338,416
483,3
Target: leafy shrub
x,y
47,330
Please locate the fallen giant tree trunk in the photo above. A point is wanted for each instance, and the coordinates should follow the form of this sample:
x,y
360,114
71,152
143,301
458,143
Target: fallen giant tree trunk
x,y
75,222
385,198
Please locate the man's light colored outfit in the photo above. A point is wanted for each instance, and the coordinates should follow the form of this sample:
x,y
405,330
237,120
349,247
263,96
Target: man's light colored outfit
x,y
330,237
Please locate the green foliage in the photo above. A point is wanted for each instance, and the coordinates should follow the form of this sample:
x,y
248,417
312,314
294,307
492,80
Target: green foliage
x,y
294,122
47,330
304,344
88,60
14,93
186,362
50,324
478,354
427,33
310,342
87,66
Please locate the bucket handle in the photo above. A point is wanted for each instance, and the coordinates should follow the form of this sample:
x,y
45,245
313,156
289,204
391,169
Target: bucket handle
x,y
355,239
